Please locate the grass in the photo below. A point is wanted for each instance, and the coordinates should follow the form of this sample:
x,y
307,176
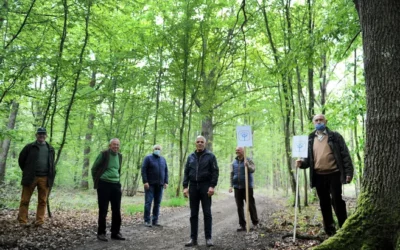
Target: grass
x,y
62,199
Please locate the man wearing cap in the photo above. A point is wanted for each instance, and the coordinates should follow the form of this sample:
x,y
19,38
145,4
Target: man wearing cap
x,y
36,161
106,173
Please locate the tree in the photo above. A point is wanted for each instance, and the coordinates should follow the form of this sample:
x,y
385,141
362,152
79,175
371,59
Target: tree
x,y
375,223
6,143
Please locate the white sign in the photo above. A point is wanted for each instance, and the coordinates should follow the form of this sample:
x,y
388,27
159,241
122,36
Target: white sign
x,y
300,146
244,136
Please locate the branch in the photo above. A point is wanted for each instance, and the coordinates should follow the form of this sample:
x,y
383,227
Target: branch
x,y
22,25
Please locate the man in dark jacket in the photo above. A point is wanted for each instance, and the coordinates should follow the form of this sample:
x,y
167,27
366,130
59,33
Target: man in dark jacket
x,y
238,182
36,161
200,178
155,179
106,172
330,166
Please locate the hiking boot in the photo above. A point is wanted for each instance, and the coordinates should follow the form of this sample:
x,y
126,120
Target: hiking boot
x,y
191,243
241,229
102,237
117,237
147,224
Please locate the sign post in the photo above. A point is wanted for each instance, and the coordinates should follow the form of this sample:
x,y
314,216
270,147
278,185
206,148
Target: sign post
x,y
300,150
245,139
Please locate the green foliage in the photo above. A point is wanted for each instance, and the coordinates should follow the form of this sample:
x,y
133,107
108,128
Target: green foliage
x,y
200,61
174,202
132,209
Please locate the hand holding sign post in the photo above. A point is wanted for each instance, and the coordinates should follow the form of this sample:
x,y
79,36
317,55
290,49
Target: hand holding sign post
x,y
299,149
245,139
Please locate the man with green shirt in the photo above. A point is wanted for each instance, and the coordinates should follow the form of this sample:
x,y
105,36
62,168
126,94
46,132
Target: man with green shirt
x,y
106,172
36,161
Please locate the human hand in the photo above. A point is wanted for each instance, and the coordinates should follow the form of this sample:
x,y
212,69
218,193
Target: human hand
x,y
298,163
348,179
210,191
165,186
146,186
186,192
230,190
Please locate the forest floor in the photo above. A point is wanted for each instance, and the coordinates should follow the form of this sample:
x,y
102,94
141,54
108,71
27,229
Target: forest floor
x,y
77,230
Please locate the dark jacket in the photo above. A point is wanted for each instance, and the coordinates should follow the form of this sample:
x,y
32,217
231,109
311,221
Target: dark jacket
x,y
201,169
99,167
27,159
238,176
340,152
154,170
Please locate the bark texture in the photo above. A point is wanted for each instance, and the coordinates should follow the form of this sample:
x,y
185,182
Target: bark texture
x,y
376,222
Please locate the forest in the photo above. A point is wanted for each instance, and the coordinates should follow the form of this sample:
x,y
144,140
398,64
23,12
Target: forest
x,y
164,72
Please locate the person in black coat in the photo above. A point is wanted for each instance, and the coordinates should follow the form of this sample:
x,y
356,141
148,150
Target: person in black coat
x,y
330,166
200,178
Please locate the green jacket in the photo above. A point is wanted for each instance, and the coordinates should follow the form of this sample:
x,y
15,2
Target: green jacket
x,y
26,161
100,167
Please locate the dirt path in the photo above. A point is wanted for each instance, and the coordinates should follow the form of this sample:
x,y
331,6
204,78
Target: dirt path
x,y
176,229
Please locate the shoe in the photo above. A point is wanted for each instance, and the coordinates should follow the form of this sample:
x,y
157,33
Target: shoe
x,y
255,227
102,237
209,243
25,225
117,237
191,243
241,229
330,231
156,224
147,224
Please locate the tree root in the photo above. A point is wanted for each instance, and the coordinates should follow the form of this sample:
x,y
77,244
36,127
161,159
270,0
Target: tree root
x,y
305,237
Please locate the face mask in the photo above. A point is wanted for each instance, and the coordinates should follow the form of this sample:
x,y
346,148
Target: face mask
x,y
320,126
156,152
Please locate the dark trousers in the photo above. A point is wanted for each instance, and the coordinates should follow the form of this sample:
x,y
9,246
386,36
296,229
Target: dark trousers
x,y
197,194
240,197
109,193
329,190
154,192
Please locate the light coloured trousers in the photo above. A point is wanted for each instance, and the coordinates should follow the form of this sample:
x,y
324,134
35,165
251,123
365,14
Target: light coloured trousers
x,y
27,191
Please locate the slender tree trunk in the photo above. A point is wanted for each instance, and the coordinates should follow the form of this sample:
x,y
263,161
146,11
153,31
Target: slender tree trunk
x,y
323,83
158,93
376,222
75,87
88,139
6,142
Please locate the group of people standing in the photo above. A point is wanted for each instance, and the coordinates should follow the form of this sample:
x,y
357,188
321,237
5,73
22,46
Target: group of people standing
x,y
328,159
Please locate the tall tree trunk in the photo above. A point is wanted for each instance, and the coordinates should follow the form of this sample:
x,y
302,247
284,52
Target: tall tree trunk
x,y
323,83
6,142
158,93
207,130
88,139
76,80
376,222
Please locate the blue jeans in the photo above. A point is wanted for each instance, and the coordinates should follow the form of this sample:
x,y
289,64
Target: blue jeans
x,y
154,192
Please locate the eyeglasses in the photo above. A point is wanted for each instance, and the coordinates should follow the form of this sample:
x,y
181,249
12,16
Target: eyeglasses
x,y
157,149
199,142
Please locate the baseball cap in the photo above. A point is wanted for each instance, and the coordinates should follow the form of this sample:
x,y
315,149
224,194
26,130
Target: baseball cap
x,y
41,131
